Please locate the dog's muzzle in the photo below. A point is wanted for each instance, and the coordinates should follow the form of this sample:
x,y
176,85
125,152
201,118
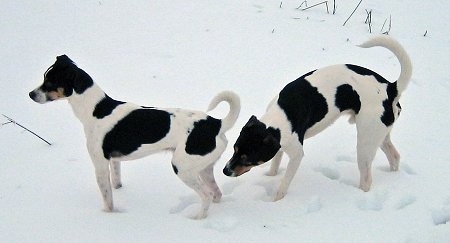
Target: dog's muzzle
x,y
228,172
38,96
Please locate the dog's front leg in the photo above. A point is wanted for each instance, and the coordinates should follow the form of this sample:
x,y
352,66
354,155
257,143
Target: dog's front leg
x,y
104,184
275,164
295,157
115,174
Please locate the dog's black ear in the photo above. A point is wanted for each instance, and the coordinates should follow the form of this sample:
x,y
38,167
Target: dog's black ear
x,y
82,81
252,121
273,137
62,57
272,142
63,61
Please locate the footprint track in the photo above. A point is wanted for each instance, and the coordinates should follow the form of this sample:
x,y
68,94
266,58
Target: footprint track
x,y
330,173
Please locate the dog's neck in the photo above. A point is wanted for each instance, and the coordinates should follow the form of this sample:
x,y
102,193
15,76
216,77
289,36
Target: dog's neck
x,y
83,104
273,118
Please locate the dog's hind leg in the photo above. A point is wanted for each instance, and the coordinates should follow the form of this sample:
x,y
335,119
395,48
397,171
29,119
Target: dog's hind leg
x,y
194,181
275,164
116,174
102,173
391,153
369,140
207,175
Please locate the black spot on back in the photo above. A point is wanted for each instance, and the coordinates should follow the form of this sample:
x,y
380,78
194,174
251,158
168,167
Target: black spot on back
x,y
142,126
202,139
367,72
387,117
303,104
347,98
105,107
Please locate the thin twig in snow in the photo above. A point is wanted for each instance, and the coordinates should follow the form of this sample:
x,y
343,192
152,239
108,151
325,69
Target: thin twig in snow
x,y
334,7
26,129
304,2
352,13
369,20
389,27
326,3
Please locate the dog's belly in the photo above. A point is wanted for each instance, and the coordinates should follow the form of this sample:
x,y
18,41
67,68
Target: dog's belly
x,y
143,151
327,121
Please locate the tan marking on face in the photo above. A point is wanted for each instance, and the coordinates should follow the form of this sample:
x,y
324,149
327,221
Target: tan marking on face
x,y
239,170
58,94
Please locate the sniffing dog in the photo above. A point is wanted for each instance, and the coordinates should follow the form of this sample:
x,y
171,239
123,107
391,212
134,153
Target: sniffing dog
x,y
118,131
313,102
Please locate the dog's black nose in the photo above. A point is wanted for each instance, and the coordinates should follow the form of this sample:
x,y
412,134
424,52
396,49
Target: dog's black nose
x,y
227,171
32,95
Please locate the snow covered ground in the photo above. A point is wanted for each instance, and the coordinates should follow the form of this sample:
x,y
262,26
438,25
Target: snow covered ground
x,y
180,54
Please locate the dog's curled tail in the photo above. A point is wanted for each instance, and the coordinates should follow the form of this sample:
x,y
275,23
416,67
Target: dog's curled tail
x,y
235,107
395,47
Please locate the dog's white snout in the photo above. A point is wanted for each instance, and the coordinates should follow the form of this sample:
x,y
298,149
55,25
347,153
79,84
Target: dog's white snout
x,y
38,96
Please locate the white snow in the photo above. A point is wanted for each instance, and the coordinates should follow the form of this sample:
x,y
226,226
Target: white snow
x,y
180,54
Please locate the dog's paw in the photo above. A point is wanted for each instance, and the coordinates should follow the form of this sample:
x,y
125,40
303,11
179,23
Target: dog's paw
x,y
108,210
365,186
271,173
280,195
199,216
117,186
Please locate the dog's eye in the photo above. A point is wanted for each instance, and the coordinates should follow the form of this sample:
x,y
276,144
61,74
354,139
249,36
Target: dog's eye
x,y
244,157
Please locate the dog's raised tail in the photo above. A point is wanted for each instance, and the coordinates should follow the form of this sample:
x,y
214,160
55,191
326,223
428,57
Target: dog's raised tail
x,y
235,107
395,47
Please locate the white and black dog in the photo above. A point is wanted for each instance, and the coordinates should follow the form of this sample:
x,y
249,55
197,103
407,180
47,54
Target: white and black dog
x,y
117,131
314,101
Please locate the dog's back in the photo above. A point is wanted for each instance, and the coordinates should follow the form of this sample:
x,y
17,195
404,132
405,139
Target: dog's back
x,y
315,100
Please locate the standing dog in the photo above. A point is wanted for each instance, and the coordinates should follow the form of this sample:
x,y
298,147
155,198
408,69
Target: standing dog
x,y
314,101
117,131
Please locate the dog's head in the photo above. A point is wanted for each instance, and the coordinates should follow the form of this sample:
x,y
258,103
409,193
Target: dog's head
x,y
255,145
60,81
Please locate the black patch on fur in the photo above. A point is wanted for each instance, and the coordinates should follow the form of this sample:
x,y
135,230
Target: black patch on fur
x,y
388,117
175,169
303,104
399,108
367,72
142,126
202,139
256,144
347,99
105,107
